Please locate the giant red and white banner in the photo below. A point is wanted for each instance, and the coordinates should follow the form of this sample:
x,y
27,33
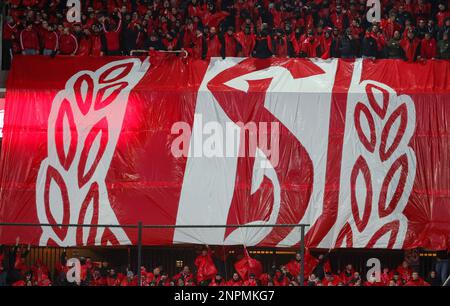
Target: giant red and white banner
x,y
357,149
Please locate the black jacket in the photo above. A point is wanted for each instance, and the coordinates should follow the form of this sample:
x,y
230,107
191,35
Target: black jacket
x,y
262,49
157,44
347,47
369,46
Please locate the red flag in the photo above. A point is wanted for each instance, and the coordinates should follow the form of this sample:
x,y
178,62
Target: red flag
x,y
248,265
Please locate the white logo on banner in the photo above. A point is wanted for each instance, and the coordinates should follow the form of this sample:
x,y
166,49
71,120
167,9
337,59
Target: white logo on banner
x,y
378,165
84,125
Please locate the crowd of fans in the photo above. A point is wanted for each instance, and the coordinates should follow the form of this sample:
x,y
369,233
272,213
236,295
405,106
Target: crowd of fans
x,y
408,29
208,270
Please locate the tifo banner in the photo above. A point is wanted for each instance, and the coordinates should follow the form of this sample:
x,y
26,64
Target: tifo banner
x,y
357,149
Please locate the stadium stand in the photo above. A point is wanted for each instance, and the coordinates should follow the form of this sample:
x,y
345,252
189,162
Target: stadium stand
x,y
408,29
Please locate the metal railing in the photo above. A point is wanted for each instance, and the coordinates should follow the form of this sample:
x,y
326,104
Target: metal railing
x,y
139,226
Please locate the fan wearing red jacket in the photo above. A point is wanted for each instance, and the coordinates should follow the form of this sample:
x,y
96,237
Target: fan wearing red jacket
x,y
309,45
347,274
195,9
422,9
68,43
211,18
428,47
217,281
251,281
442,15
230,43
235,280
213,45
153,278
294,265
96,42
184,275
405,271
379,38
389,26
198,45
206,270
40,272
29,40
247,41
385,276
338,19
112,34
410,46
51,41
325,42
170,41
130,280
416,281
280,45
97,279
112,279
280,278
85,43
330,280
45,281
187,36
9,29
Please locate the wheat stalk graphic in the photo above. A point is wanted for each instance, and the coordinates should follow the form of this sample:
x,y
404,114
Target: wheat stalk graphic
x,y
383,164
84,125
